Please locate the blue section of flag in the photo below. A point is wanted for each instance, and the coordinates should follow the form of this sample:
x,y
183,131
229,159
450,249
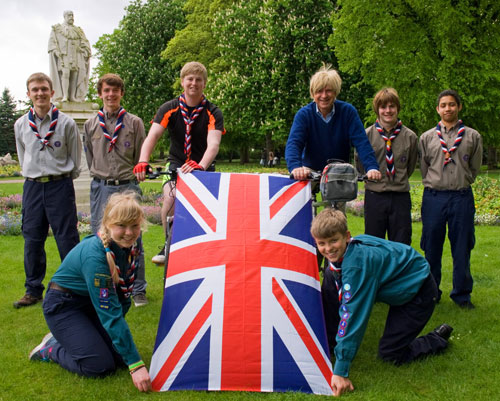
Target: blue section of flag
x,y
185,226
296,228
287,374
276,184
174,299
194,374
308,299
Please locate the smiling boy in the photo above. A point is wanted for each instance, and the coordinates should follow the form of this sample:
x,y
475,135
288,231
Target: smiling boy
x,y
113,140
451,156
368,269
387,202
49,150
195,126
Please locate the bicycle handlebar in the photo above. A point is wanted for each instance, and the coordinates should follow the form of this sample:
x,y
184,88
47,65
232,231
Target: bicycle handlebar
x,y
155,174
315,176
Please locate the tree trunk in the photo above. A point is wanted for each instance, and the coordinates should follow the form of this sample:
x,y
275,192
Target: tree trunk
x,y
492,158
244,154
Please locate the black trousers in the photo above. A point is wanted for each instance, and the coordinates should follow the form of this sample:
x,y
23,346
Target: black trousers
x,y
388,212
399,343
49,203
83,345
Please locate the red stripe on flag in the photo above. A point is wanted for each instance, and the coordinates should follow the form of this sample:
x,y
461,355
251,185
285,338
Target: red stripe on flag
x,y
183,344
199,207
286,196
302,330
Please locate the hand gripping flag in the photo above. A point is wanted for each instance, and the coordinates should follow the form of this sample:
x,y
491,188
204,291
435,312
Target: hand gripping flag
x,y
242,308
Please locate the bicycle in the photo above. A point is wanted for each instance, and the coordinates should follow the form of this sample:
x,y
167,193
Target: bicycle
x,y
337,184
154,174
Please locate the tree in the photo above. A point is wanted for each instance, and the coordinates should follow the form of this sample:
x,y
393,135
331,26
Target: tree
x,y
196,41
8,117
421,48
261,77
134,52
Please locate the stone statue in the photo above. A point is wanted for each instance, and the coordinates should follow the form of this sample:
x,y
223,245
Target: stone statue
x,y
69,55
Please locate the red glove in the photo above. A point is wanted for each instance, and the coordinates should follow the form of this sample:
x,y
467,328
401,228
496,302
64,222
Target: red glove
x,y
194,165
142,167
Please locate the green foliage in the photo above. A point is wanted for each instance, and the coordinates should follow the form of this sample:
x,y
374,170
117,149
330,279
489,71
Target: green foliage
x,y
133,51
261,77
196,41
11,170
8,117
408,45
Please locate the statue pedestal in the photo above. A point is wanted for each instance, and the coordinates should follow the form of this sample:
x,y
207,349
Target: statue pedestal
x,y
80,112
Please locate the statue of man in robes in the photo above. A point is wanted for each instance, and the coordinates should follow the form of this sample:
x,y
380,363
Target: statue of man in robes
x,y
69,55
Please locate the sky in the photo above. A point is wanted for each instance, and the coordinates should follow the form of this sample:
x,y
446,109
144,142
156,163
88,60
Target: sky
x,y
25,29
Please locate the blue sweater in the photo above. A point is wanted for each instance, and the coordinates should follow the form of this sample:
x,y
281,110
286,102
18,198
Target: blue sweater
x,y
312,141
373,270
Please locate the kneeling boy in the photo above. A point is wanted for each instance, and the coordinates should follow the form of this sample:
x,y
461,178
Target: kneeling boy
x,y
368,270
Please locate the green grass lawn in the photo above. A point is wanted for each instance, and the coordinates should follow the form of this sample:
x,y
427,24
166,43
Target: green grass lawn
x,y
467,371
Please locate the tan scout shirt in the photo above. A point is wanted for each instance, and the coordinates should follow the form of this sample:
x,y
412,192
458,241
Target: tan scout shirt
x,y
467,157
405,151
119,163
63,158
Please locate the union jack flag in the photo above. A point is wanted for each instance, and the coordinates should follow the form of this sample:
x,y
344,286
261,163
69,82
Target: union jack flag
x,y
242,307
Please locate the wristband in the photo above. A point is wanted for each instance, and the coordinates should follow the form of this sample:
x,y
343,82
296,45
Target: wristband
x,y
134,367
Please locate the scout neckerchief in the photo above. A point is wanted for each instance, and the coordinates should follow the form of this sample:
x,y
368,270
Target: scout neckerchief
x,y
119,125
336,268
389,156
458,140
127,277
189,120
53,123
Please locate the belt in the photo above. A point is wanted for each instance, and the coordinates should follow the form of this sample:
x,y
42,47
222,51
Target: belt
x,y
57,287
48,178
115,182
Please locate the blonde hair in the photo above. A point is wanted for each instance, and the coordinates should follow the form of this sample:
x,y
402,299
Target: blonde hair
x,y
384,96
328,223
122,208
194,68
325,77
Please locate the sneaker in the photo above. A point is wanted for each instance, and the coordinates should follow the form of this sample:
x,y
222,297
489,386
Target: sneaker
x,y
466,305
444,331
27,300
41,351
160,258
140,299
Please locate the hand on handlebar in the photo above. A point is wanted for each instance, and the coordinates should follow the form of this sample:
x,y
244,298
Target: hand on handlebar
x,y
191,165
301,173
141,169
373,175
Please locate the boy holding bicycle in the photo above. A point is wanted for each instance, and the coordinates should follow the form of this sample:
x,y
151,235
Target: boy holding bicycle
x,y
195,126
367,270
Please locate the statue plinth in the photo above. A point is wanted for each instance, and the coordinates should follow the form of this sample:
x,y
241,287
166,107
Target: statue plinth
x,y
78,111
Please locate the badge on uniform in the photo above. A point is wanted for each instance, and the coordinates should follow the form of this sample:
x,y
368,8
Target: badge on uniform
x,y
104,293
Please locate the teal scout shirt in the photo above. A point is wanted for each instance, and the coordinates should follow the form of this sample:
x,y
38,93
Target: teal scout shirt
x,y
373,270
85,271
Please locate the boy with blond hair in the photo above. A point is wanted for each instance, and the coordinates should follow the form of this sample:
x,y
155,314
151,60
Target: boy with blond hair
x,y
195,126
367,270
